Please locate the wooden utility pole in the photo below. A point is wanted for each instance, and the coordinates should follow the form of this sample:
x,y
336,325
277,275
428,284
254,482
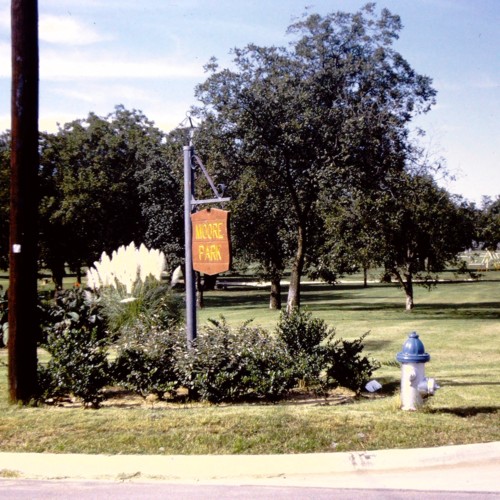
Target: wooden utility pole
x,y
23,320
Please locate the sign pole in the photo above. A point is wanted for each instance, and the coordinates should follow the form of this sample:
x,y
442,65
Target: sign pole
x,y
189,277
189,203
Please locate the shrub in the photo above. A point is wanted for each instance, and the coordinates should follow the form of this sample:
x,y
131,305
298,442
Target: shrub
x,y
78,366
151,304
145,363
305,338
75,337
301,332
346,366
321,361
75,308
225,364
126,302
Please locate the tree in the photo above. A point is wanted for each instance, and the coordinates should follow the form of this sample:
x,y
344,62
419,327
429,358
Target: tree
x,y
260,229
260,232
489,224
106,183
298,116
413,229
424,230
352,236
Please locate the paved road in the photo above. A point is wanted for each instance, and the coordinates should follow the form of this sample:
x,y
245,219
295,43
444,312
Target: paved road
x,y
94,490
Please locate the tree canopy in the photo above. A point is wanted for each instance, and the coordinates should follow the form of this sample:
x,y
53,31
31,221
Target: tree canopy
x,y
107,182
325,115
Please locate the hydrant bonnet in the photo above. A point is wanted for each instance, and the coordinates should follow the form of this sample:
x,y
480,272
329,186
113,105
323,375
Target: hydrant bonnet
x,y
413,351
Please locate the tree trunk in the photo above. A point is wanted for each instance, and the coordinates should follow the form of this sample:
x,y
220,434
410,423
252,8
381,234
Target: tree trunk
x,y
407,285
293,300
200,303
209,281
409,292
275,296
365,277
58,272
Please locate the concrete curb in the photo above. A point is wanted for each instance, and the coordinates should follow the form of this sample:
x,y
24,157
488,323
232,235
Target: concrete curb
x,y
351,469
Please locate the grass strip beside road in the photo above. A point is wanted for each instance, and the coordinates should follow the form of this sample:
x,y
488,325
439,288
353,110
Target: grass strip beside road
x,y
242,429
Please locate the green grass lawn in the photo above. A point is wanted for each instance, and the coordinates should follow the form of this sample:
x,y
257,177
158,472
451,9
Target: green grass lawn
x,y
459,324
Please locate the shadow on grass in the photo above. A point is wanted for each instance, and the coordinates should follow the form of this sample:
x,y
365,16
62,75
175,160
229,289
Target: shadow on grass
x,y
452,383
465,412
379,345
341,298
468,310
389,388
474,310
237,298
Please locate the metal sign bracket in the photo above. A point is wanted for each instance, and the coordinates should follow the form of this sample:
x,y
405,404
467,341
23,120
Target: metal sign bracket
x,y
218,196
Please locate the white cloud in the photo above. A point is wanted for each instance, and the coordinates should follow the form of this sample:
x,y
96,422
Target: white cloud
x,y
68,30
95,93
5,122
75,65
5,18
59,66
5,60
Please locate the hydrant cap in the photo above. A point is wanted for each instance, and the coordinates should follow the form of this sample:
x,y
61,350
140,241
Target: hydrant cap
x,y
413,351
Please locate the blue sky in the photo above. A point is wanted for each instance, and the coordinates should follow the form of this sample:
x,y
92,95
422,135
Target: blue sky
x,y
149,55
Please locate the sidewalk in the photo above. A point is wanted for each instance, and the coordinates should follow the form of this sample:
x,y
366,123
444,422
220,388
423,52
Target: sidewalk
x,y
474,467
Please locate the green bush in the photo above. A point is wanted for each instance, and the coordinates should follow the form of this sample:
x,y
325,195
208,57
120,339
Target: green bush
x,y
320,361
301,332
145,363
74,308
225,364
347,366
75,337
78,366
222,364
306,339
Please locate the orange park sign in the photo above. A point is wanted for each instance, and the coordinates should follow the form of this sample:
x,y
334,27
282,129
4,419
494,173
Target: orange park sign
x,y
211,244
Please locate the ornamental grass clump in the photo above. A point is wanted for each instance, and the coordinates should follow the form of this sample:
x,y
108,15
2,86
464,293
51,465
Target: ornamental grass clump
x,y
126,267
132,292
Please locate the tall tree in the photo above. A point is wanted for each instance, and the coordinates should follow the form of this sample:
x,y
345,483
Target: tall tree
x,y
352,235
261,232
411,227
106,183
299,115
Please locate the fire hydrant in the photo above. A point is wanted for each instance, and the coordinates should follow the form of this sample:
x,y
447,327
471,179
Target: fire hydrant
x,y
414,385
